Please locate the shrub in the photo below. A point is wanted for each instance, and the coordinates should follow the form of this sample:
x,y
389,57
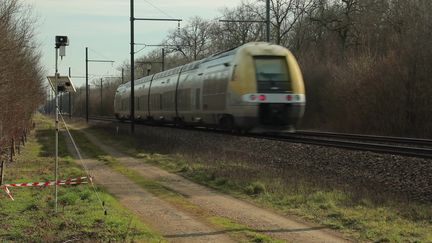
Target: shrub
x,y
255,188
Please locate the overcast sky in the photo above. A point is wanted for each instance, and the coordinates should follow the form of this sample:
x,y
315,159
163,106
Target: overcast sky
x,y
103,26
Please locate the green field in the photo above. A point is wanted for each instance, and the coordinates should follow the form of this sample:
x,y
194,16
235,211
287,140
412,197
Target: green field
x,y
80,216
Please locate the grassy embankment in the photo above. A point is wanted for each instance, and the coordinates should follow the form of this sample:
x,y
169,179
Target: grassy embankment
x,y
238,231
362,218
31,217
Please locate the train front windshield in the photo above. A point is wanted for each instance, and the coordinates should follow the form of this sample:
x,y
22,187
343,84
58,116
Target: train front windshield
x,y
272,74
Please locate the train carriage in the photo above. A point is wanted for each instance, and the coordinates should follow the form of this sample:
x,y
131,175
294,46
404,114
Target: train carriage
x,y
255,86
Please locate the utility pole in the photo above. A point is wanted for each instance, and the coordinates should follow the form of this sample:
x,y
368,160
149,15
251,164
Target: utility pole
x,y
132,54
163,59
70,102
87,85
101,97
61,103
87,91
122,77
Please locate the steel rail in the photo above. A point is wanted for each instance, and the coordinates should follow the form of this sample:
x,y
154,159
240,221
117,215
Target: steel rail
x,y
388,139
356,145
328,139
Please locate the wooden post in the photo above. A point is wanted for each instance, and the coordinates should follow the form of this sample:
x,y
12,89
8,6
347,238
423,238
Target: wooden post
x,y
3,164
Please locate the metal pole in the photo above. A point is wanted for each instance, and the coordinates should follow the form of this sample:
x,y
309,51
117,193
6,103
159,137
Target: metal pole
x,y
61,103
101,97
122,76
163,59
80,101
132,44
70,106
70,102
56,128
49,103
87,91
268,20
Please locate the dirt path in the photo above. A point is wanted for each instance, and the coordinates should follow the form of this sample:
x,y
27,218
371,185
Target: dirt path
x,y
173,224
222,205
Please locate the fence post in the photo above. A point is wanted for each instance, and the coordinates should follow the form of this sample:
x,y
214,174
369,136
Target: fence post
x,y
3,164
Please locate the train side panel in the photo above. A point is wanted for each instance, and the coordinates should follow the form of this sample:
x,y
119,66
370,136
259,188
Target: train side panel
x,y
189,100
162,97
216,74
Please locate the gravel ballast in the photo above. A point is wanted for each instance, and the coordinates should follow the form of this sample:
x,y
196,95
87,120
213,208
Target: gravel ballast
x,y
377,174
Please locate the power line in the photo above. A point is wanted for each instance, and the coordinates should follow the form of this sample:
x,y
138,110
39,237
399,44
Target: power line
x,y
160,10
99,54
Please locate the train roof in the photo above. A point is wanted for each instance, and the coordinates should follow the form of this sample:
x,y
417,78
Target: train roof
x,y
194,64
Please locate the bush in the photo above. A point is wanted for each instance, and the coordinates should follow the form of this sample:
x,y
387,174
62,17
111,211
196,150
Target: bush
x,y
68,199
255,188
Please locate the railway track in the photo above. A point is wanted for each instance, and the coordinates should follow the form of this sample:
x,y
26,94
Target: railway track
x,y
381,144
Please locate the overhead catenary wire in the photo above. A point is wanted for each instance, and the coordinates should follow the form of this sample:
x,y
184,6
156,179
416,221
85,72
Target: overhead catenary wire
x,y
99,54
160,10
107,59
83,165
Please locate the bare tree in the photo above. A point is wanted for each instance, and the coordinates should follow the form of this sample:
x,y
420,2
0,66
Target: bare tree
x,y
226,35
20,71
193,41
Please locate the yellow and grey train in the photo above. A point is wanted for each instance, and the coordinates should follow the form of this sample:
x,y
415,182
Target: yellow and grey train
x,y
257,86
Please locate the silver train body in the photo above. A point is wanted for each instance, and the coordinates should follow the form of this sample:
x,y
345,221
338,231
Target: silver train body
x,y
257,86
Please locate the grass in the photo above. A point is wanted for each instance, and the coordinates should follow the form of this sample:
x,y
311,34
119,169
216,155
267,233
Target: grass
x,y
238,231
361,218
31,217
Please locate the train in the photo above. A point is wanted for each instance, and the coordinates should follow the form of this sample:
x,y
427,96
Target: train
x,y
255,87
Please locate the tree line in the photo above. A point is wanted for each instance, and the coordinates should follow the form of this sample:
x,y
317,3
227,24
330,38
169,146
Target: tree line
x,y
21,75
366,63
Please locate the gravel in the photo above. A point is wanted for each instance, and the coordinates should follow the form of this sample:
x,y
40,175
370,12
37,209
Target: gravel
x,y
362,172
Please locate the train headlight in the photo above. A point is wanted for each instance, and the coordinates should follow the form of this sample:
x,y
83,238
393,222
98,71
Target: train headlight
x,y
289,97
252,97
262,97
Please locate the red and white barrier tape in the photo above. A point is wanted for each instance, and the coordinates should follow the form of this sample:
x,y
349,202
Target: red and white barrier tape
x,y
71,181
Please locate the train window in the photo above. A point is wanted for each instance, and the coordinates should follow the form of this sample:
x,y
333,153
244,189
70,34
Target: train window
x,y
272,74
271,68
